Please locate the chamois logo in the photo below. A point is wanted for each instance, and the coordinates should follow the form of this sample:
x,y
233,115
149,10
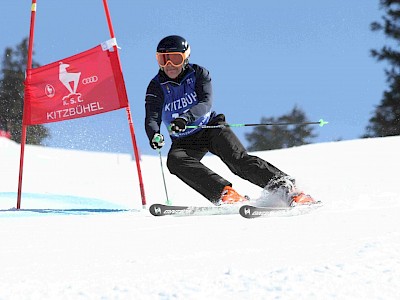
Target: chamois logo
x,y
66,78
71,81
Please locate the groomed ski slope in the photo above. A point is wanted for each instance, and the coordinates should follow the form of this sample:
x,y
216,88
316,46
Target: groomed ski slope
x,y
81,233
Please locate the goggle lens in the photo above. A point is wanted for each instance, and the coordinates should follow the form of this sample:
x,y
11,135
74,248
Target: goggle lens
x,y
175,58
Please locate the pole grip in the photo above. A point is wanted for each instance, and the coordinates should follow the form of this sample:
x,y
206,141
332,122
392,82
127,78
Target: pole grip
x,y
157,138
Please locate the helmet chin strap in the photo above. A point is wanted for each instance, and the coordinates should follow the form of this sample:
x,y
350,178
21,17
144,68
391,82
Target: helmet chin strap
x,y
185,63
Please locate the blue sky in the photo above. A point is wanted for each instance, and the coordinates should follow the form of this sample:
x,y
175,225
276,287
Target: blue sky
x,y
265,57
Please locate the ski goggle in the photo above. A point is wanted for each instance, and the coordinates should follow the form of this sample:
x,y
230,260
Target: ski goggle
x,y
175,58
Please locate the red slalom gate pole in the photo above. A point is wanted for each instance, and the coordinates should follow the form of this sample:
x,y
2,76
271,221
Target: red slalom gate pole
x,y
128,111
24,127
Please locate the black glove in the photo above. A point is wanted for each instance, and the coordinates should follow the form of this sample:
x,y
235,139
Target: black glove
x,y
178,125
157,142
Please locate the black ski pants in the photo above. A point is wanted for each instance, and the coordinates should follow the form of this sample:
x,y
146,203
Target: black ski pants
x,y
186,153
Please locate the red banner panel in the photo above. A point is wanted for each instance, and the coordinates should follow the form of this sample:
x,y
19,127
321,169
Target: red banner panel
x,y
82,85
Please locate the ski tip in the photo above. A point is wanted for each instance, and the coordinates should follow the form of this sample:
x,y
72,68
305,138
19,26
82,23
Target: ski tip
x,y
246,211
156,209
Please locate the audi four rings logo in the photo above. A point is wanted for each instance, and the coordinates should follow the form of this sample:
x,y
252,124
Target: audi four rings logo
x,y
89,80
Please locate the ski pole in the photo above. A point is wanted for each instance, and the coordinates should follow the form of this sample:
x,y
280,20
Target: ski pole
x,y
321,123
168,202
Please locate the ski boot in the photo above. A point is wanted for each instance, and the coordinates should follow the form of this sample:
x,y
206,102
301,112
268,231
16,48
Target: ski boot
x,y
301,199
284,189
230,196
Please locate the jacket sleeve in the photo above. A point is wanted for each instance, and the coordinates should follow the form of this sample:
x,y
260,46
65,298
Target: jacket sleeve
x,y
204,93
153,105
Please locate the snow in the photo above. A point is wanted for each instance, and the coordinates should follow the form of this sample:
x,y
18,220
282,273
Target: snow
x,y
81,232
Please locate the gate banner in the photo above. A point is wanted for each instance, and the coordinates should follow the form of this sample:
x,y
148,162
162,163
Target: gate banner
x,y
82,85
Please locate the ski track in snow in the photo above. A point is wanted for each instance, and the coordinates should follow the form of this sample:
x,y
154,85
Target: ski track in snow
x,y
81,235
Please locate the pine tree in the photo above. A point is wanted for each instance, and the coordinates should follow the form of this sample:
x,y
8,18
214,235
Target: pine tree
x,y
12,94
281,136
386,118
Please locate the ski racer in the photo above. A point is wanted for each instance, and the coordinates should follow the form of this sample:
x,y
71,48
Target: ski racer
x,y
181,95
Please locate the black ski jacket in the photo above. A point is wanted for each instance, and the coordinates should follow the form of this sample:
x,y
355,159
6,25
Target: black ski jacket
x,y
155,103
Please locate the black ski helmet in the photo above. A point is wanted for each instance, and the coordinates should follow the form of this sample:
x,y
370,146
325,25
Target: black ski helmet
x,y
175,43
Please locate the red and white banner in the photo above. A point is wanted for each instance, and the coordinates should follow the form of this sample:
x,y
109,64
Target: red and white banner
x,y
82,85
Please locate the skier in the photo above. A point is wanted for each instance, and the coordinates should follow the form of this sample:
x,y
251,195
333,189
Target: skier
x,y
181,95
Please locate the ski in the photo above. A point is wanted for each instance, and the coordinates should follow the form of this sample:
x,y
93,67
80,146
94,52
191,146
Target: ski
x,y
247,211
159,210
251,212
